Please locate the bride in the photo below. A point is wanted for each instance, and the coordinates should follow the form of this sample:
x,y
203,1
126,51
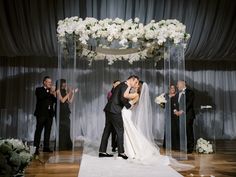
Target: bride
x,y
139,142
138,138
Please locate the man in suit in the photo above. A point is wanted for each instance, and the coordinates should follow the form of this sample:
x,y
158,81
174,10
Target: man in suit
x,y
114,118
188,95
113,132
44,112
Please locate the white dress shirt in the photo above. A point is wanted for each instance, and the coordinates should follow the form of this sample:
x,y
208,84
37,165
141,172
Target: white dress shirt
x,y
181,93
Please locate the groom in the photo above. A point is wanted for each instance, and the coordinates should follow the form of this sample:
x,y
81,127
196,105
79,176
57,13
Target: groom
x,y
114,118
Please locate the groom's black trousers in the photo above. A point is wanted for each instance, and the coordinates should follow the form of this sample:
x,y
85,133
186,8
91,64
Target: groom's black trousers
x,y
113,121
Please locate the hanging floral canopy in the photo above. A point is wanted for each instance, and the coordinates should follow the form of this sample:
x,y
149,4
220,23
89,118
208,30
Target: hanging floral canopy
x,y
118,39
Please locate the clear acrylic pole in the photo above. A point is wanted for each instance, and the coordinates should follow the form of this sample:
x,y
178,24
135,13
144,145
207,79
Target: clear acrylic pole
x,y
65,112
174,70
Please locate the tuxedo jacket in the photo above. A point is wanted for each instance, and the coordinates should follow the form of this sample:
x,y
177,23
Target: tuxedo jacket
x,y
44,103
189,103
117,101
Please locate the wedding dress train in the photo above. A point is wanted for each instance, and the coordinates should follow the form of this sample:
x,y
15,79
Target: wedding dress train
x,y
136,145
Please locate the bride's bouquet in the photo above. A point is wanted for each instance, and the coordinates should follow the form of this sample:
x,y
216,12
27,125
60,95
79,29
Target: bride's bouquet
x,y
161,100
204,146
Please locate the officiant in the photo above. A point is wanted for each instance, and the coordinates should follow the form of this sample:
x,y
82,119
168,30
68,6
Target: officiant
x,y
186,93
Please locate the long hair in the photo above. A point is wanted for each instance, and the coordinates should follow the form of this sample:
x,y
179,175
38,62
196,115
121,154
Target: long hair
x,y
140,87
59,83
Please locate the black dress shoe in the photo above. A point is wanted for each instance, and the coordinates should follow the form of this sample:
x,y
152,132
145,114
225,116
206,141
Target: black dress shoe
x,y
104,154
123,156
47,150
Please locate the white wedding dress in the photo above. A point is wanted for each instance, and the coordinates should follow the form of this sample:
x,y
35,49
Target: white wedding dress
x,y
136,145
144,156
138,138
139,142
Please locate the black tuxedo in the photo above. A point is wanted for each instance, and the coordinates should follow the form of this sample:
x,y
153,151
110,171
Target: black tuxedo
x,y
188,94
44,113
117,101
114,118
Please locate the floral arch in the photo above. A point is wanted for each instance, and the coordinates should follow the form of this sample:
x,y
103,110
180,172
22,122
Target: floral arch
x,y
119,40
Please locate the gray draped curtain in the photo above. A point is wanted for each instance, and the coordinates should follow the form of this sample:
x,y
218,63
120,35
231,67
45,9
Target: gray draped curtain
x,y
28,28
213,84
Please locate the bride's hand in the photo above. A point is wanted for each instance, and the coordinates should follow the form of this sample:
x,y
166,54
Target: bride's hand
x,y
135,100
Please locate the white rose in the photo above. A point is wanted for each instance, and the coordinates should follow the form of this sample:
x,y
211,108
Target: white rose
x,y
110,38
135,39
123,42
136,20
200,150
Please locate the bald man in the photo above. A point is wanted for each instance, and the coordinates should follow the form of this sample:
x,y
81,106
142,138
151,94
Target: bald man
x,y
190,114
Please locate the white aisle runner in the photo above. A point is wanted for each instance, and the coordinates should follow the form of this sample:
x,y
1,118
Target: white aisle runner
x,y
92,166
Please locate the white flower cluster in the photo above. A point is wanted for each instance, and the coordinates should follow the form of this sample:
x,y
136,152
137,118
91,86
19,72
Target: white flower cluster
x,y
120,34
14,152
166,29
93,55
17,144
204,146
123,31
161,99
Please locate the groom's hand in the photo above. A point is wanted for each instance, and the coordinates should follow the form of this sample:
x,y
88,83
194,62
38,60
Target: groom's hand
x,y
128,83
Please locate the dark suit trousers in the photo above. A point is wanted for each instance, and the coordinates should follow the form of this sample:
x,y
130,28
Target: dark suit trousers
x,y
190,135
46,123
113,121
113,139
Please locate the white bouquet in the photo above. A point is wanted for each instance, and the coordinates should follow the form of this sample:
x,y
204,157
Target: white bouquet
x,y
204,146
161,100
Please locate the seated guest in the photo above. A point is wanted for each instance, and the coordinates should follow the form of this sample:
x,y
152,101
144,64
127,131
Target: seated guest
x,y
44,112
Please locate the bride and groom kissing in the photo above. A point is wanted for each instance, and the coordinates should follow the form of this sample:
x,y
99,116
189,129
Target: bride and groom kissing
x,y
126,111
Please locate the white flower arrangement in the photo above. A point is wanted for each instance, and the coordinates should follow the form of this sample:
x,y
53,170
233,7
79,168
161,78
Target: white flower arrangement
x,y
120,34
14,156
161,100
204,146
